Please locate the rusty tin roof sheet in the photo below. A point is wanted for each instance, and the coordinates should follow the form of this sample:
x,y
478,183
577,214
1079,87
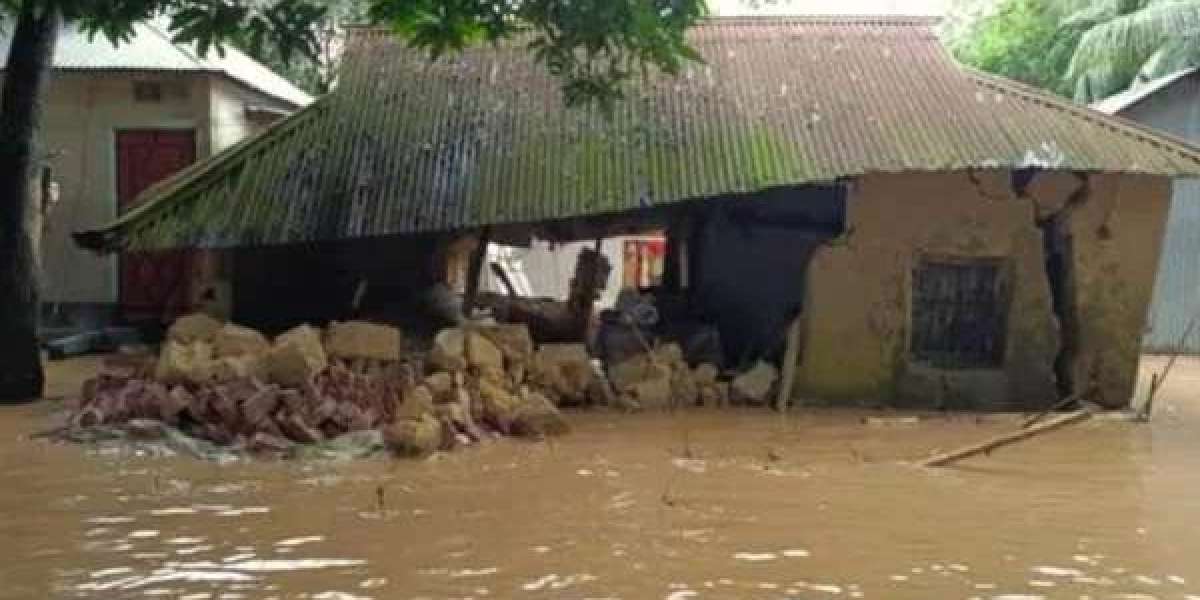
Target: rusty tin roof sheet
x,y
406,145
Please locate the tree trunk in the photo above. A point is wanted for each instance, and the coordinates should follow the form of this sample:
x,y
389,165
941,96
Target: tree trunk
x,y
21,104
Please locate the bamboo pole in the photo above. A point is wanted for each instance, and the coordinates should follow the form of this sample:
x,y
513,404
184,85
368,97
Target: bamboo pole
x,y
948,458
1061,404
791,354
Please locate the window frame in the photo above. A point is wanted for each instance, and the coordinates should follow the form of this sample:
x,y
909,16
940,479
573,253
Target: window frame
x,y
1002,290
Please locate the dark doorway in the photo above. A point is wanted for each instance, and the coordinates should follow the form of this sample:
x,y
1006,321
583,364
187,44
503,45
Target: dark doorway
x,y
154,285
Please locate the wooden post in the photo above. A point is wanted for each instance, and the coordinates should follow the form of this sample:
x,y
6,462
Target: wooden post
x,y
474,270
791,354
946,459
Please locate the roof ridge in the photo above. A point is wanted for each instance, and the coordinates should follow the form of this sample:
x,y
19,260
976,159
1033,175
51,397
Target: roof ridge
x,y
848,19
1117,123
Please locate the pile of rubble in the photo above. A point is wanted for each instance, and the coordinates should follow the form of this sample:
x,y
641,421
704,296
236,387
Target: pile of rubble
x,y
232,386
661,378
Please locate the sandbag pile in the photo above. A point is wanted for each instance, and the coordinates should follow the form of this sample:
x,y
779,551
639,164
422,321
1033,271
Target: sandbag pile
x,y
233,386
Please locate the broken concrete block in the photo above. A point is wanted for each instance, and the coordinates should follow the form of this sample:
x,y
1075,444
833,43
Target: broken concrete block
x,y
414,437
458,416
235,340
441,385
560,353
196,327
537,416
713,394
669,354
360,339
517,372
631,371
482,353
229,368
655,391
564,370
684,391
183,363
754,386
600,392
267,443
177,401
297,429
258,408
296,357
499,405
513,339
496,375
417,402
705,374
449,352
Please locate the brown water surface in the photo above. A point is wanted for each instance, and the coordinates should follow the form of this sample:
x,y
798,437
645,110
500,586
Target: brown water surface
x,y
704,504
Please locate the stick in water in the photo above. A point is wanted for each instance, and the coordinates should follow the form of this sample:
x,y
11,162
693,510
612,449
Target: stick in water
x,y
943,460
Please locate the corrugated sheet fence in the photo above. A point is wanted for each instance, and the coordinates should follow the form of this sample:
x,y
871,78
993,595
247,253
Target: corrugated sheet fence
x,y
1177,290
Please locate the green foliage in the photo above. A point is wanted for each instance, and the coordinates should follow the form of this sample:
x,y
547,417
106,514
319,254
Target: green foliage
x,y
1143,40
593,46
1020,40
1085,49
314,73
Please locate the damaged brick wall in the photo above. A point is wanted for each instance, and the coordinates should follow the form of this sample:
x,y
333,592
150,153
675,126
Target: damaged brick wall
x,y
859,297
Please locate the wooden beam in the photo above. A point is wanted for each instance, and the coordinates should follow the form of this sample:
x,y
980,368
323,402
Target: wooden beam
x,y
474,270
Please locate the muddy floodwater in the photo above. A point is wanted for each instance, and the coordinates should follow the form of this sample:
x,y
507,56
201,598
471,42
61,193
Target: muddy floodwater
x,y
702,504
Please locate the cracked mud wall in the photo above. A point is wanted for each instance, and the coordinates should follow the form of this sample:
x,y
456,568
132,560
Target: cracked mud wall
x,y
1116,237
858,304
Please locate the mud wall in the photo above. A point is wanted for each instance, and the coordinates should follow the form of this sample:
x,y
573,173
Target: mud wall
x,y
1116,237
859,298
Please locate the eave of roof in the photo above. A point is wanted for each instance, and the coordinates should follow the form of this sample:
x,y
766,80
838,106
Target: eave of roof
x,y
1133,96
151,50
406,146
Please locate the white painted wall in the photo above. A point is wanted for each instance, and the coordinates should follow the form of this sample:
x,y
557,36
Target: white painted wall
x,y
83,114
230,124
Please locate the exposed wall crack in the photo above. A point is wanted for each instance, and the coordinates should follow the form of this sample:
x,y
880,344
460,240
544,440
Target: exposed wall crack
x,y
1057,244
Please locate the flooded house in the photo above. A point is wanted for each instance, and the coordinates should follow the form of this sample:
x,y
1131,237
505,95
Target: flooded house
x,y
931,236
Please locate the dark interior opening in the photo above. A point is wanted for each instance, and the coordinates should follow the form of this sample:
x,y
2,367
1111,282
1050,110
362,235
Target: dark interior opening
x,y
749,262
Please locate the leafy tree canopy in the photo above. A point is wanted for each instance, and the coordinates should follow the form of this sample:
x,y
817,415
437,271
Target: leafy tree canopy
x,y
1085,49
593,46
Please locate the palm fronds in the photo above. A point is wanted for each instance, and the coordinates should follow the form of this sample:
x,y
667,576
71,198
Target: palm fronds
x,y
1160,35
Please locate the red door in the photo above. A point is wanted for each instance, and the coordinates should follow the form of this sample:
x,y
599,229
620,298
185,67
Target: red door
x,y
153,284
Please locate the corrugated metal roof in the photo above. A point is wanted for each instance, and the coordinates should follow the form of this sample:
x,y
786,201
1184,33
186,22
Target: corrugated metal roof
x,y
407,145
151,49
1117,103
